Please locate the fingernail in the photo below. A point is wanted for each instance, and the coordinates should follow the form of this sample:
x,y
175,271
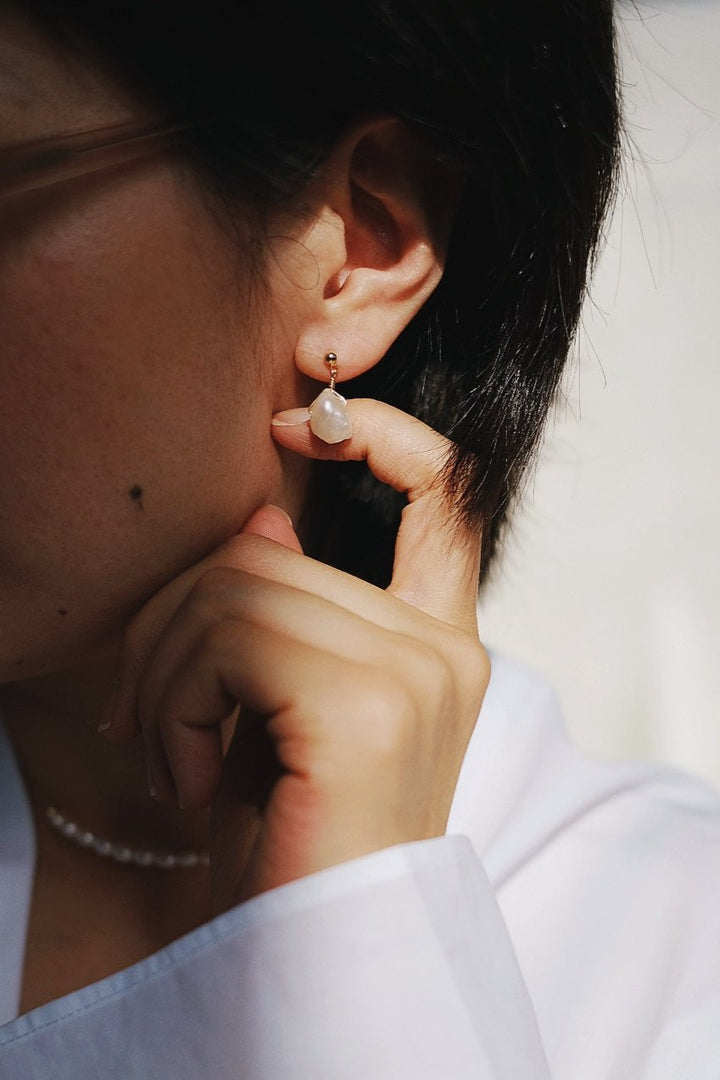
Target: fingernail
x,y
290,417
151,779
283,512
108,712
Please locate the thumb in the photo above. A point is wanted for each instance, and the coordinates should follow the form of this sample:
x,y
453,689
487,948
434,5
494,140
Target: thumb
x,y
275,524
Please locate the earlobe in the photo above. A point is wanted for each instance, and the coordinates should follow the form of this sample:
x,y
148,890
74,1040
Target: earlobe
x,y
385,254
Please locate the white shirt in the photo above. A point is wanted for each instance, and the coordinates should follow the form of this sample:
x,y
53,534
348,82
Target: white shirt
x,y
568,926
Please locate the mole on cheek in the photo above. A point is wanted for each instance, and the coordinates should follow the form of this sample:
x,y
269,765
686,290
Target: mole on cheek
x,y
62,611
136,494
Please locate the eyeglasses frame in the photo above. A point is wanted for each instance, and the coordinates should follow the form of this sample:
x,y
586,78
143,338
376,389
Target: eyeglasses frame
x,y
38,163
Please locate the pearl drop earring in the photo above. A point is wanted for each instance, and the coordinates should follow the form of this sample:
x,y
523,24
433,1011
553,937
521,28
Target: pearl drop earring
x,y
328,412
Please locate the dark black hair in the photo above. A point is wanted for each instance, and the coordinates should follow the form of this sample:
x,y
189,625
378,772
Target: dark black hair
x,y
521,94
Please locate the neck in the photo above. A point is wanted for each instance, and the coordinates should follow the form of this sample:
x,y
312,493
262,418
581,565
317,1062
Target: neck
x,y
89,916
52,723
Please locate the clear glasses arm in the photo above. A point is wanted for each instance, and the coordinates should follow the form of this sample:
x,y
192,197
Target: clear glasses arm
x,y
42,162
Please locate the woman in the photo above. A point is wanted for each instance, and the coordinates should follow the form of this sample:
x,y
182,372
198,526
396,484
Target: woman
x,y
206,215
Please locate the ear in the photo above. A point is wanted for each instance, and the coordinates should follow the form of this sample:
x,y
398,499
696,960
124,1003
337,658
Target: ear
x,y
383,205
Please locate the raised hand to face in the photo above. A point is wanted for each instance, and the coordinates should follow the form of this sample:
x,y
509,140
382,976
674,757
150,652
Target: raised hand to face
x,y
321,717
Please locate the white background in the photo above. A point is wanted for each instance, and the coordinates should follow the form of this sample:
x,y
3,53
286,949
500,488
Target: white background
x,y
609,584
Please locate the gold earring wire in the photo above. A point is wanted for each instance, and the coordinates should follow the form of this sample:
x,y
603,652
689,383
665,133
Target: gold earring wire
x,y
329,418
331,361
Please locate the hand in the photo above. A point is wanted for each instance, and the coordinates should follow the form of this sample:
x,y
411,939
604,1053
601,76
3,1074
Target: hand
x,y
323,718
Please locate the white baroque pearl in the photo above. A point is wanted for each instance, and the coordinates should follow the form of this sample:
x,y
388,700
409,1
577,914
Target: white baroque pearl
x,y
328,417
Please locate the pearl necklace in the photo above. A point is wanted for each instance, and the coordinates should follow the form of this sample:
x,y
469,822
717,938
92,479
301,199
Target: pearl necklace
x,y
119,852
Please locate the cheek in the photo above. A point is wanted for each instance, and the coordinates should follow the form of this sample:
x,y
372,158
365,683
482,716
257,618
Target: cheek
x,y
134,426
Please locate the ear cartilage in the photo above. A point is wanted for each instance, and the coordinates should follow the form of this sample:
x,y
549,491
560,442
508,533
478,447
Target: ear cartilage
x,y
328,412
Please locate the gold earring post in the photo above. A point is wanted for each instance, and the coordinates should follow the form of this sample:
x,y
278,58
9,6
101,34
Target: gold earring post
x,y
331,361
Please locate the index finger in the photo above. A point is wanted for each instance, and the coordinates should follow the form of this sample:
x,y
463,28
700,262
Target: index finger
x,y
437,563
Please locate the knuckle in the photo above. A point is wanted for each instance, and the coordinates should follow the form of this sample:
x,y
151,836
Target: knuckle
x,y
431,485
476,662
389,713
221,591
431,671
222,639
468,652
213,586
474,671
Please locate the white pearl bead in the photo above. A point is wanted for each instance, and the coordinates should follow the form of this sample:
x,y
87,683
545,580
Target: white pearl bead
x,y
328,417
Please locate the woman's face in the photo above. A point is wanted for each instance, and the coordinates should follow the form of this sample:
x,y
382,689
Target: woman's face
x,y
138,377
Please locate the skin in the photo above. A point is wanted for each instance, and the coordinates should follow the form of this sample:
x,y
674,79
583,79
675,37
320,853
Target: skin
x,y
136,355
